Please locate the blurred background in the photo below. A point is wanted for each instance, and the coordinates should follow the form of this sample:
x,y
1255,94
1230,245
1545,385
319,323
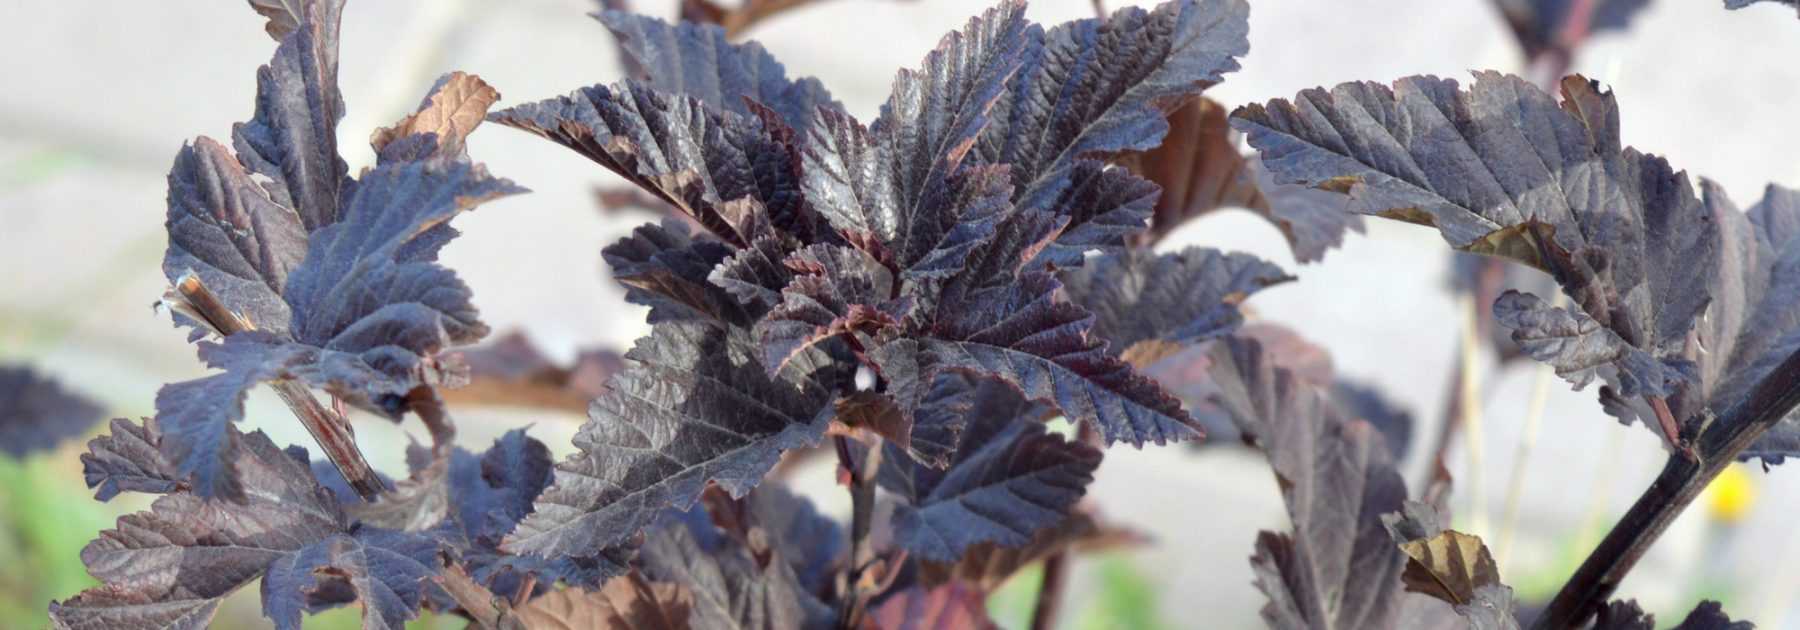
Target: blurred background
x,y
100,95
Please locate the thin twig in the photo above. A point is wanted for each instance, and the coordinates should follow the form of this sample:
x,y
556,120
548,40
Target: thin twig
x,y
1680,482
1100,10
862,515
329,429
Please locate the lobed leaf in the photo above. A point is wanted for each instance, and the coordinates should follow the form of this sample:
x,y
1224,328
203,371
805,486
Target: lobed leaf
x,y
1505,169
835,291
337,275
662,267
169,567
1182,297
696,158
1338,569
1024,334
1006,480
700,61
1626,615
1094,88
696,406
386,570
732,589
129,459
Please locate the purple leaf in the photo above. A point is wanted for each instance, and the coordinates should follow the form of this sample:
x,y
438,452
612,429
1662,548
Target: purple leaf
x,y
130,459
699,159
1338,568
697,60
1024,333
836,290
1182,297
1094,88
1000,488
145,566
696,406
732,588
670,272
1503,168
386,570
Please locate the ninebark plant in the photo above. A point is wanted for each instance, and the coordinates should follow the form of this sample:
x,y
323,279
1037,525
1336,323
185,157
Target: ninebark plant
x,y
916,295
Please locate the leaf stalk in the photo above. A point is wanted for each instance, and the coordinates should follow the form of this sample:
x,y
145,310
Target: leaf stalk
x,y
331,430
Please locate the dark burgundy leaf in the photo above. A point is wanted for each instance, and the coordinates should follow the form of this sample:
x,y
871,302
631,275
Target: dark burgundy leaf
x,y
1505,169
850,179
1578,347
194,416
1002,490
1709,615
1182,297
812,543
732,589
970,412
986,566
1099,87
1754,321
144,564
932,118
1107,208
225,227
386,570
755,275
36,413
952,606
699,61
129,459
734,174
292,138
836,290
696,406
1007,479
343,271
665,269
1367,404
1626,615
1024,333
1339,568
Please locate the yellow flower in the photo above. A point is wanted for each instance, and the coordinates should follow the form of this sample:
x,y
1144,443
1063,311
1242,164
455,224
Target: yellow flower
x,y
1731,495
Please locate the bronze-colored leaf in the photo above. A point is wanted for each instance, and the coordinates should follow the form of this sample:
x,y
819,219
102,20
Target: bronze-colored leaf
x,y
1449,566
627,602
455,107
1198,166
